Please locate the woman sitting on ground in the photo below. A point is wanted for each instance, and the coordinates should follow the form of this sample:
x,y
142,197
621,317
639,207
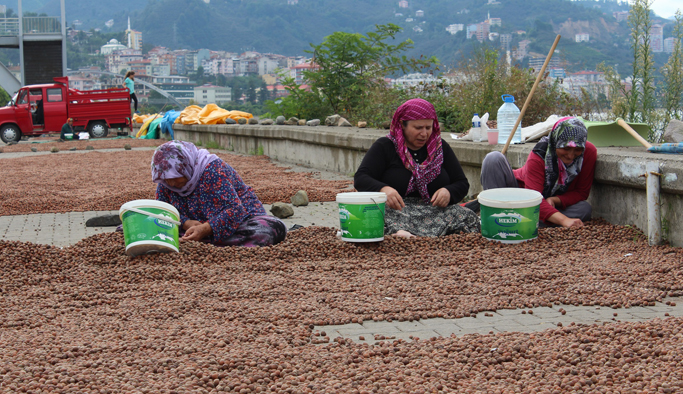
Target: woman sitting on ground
x,y
420,175
560,167
215,205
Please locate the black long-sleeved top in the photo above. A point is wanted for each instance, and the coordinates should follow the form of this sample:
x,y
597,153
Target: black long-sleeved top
x,y
382,166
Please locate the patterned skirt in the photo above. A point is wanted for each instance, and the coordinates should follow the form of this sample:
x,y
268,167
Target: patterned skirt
x,y
425,220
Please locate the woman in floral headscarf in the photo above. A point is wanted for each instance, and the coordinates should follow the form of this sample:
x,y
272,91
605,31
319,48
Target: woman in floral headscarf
x,y
561,167
420,175
215,205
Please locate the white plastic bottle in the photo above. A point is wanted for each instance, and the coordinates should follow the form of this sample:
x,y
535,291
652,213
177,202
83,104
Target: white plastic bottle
x,y
476,128
507,116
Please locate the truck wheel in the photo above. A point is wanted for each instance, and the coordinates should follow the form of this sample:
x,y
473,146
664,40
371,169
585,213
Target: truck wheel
x,y
98,129
10,133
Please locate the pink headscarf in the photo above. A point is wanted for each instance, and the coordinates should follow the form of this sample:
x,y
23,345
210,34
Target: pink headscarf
x,y
176,159
425,173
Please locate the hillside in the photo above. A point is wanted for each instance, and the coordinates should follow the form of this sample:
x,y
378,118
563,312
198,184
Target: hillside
x,y
277,27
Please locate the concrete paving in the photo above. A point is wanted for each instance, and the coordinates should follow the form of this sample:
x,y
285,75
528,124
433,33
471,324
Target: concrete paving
x,y
64,229
505,320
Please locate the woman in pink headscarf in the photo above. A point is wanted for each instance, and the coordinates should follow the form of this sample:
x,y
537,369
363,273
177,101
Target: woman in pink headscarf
x,y
420,175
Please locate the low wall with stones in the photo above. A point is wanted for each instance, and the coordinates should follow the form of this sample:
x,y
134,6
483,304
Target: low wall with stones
x,y
618,194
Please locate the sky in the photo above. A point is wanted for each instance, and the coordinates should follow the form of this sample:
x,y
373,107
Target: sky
x,y
666,8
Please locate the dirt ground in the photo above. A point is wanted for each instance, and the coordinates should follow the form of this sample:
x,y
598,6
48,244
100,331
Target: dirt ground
x,y
97,181
89,319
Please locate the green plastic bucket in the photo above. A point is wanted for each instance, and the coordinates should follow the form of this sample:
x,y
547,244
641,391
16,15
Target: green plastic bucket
x,y
361,216
149,226
510,215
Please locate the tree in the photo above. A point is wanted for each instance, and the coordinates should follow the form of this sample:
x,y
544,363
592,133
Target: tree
x,y
673,74
263,93
641,100
236,93
221,80
251,91
346,66
636,104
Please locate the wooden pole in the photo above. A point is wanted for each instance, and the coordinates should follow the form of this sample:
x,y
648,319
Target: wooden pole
x,y
531,94
634,133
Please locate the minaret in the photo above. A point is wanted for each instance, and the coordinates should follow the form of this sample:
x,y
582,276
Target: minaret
x,y
128,32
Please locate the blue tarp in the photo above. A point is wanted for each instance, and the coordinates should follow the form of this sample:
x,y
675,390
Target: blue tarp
x,y
667,148
167,121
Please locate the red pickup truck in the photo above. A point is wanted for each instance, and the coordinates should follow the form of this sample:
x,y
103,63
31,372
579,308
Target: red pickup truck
x,y
41,109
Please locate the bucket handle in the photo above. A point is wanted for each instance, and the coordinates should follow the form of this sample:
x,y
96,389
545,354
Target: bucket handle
x,y
154,215
380,209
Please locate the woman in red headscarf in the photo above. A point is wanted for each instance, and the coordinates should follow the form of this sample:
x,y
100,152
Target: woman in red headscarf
x,y
420,175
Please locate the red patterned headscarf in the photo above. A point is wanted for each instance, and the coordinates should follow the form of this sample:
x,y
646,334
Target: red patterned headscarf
x,y
425,173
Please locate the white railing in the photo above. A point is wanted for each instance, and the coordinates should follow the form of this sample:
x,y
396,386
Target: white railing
x,y
9,27
42,25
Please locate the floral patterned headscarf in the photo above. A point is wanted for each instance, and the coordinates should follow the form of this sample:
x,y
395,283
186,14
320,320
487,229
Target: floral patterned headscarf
x,y
568,132
176,159
425,173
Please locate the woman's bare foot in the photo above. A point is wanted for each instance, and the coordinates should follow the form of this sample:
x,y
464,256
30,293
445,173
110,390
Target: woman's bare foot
x,y
403,234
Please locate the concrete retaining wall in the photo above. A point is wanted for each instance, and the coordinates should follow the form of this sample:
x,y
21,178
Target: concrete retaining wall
x,y
618,194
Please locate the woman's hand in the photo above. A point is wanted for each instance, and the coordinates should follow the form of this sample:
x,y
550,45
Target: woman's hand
x,y
561,220
441,198
190,223
197,232
572,222
554,201
394,200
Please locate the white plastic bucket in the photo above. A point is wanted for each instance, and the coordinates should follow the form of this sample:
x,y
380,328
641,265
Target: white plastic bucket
x,y
510,215
361,216
149,226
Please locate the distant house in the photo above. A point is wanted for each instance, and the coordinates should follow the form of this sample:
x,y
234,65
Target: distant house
x,y
471,30
292,2
657,38
557,72
208,94
505,40
403,4
412,80
419,13
454,28
279,91
409,20
417,29
300,68
581,37
482,31
494,21
522,49
620,16
669,44
588,76
592,82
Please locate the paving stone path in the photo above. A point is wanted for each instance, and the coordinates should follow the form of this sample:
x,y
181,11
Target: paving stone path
x,y
505,320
